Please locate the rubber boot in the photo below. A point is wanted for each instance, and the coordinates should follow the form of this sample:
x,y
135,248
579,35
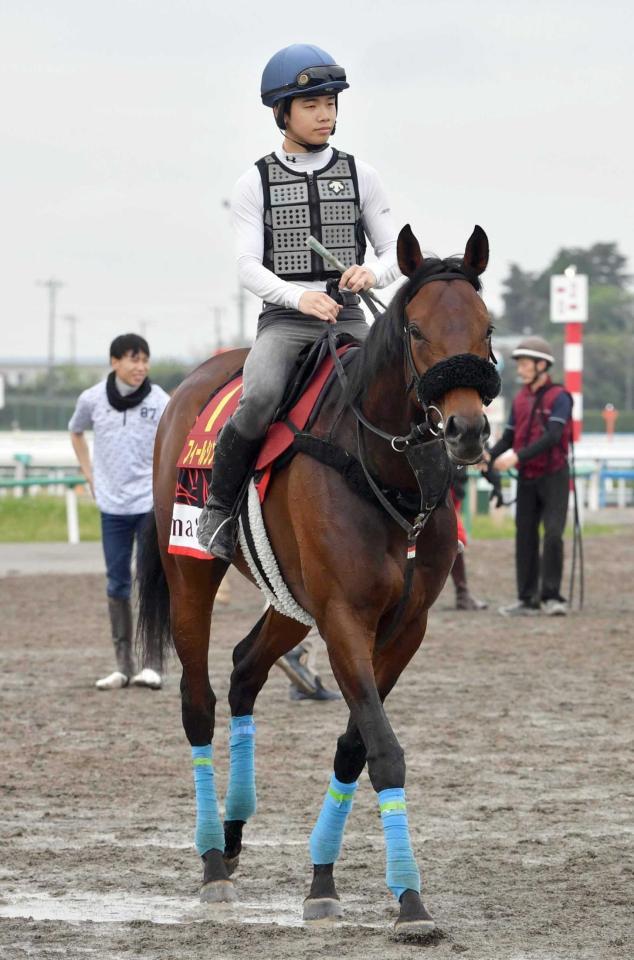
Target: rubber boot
x,y
120,612
464,600
217,526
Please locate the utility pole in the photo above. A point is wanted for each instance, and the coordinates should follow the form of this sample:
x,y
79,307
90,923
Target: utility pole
x,y
218,312
72,322
53,286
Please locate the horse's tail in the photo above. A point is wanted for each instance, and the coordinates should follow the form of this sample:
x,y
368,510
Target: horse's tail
x,y
153,627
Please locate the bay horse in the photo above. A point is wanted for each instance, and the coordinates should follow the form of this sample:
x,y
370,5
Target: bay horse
x,y
419,380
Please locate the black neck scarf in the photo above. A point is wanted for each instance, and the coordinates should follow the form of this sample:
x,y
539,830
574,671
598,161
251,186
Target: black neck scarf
x,y
132,399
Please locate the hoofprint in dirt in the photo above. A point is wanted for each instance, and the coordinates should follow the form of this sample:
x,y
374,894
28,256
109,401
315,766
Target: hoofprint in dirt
x,y
517,735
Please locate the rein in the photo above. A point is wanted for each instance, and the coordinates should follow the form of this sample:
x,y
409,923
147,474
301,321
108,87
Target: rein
x,y
400,444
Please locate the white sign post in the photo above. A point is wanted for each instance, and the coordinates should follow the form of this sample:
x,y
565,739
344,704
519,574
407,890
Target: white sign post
x,y
569,297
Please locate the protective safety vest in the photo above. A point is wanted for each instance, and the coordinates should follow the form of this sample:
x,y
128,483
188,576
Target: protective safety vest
x,y
531,412
325,204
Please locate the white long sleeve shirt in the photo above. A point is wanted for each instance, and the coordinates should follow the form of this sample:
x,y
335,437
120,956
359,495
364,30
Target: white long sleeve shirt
x,y
247,207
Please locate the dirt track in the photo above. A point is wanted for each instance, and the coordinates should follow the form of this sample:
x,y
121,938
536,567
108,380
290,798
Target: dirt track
x,y
517,738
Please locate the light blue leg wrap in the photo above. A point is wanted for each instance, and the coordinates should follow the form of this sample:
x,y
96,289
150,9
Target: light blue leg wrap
x,y
209,832
325,840
240,802
402,872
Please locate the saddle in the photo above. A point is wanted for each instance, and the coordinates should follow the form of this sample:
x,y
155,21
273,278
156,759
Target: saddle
x,y
309,385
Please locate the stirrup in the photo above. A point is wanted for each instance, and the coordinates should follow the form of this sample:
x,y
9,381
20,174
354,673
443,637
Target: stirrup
x,y
223,541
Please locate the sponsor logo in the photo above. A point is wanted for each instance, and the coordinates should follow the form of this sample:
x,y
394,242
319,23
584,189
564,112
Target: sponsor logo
x,y
183,538
336,187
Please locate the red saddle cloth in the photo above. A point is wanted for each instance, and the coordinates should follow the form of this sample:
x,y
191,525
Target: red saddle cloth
x,y
197,456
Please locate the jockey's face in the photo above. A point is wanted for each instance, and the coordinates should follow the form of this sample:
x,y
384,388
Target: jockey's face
x,y
311,119
132,368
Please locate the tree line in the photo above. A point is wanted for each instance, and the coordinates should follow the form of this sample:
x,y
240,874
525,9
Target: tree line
x,y
608,340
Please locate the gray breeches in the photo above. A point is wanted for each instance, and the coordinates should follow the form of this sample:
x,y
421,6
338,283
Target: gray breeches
x,y
281,335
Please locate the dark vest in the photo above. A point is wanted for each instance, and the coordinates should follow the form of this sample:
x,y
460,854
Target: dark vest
x,y
325,204
531,412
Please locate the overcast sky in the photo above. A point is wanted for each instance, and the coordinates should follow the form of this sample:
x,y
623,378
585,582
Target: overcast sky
x,y
126,123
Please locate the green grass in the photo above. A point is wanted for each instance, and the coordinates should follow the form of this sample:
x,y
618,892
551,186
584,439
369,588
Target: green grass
x,y
42,519
484,527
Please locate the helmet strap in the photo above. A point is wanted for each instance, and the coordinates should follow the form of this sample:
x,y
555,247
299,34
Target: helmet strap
x,y
310,147
539,373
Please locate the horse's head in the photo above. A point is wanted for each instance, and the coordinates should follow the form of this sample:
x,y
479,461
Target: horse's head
x,y
448,341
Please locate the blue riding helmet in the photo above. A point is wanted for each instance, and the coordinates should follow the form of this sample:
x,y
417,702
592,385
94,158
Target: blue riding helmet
x,y
299,70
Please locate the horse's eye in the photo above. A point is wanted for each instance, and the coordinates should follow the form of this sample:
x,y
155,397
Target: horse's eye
x,y
415,333
490,332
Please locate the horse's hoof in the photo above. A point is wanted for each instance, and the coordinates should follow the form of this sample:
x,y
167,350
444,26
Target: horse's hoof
x,y
218,891
231,863
413,928
414,919
322,908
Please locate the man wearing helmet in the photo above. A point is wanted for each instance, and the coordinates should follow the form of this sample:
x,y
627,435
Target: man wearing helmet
x,y
535,442
306,187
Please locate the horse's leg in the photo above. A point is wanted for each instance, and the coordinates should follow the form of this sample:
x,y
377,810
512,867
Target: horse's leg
x,y
192,591
365,739
273,635
322,901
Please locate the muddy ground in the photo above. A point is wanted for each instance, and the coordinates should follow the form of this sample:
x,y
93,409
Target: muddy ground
x,y
518,741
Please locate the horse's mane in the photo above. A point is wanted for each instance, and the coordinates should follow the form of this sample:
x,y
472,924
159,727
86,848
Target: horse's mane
x,y
384,344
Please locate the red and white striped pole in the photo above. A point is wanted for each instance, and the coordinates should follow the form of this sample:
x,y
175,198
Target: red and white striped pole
x,y
569,305
573,373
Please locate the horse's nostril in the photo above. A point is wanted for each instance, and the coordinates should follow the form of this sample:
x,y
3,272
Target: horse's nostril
x,y
452,431
466,429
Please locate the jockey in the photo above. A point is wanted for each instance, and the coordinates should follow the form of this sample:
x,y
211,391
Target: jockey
x,y
305,187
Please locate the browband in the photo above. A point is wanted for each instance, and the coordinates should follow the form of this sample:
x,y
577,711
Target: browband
x,y
445,275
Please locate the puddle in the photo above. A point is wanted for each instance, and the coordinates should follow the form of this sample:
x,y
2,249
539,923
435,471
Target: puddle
x,y
119,908
124,908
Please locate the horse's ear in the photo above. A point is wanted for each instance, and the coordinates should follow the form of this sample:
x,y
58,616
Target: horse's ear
x,y
476,253
408,252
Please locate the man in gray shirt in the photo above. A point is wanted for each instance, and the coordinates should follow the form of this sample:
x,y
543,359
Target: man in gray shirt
x,y
124,412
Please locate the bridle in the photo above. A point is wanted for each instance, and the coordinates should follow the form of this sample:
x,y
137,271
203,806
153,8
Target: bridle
x,y
461,370
464,370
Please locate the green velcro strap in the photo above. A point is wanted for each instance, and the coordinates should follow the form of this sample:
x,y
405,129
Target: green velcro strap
x,y
393,806
340,797
203,762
